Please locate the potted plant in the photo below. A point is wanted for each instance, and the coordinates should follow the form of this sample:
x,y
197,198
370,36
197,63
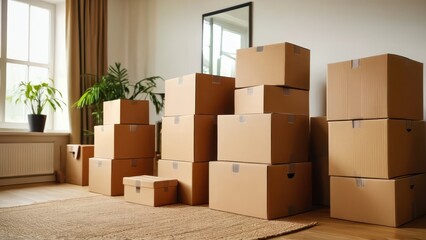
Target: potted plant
x,y
36,96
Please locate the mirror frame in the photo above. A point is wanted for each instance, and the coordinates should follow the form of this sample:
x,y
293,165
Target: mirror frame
x,y
250,24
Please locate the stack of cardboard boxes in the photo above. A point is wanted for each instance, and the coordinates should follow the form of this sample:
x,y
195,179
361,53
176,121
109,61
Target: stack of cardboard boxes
x,y
189,131
377,140
262,168
124,146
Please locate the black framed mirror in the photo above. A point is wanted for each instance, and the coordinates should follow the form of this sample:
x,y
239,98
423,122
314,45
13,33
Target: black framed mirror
x,y
225,31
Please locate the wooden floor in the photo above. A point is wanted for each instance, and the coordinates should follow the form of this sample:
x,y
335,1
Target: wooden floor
x,y
327,228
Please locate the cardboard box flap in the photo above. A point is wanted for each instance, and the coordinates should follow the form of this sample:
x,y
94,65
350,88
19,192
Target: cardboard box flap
x,y
147,181
74,149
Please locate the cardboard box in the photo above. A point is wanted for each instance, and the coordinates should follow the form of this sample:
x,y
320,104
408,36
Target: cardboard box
x,y
382,148
106,175
270,138
318,154
150,190
190,138
385,86
199,94
390,202
271,99
77,164
120,141
124,111
260,190
193,178
282,64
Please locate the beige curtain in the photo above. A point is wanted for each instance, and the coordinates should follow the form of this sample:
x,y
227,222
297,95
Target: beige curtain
x,y
86,28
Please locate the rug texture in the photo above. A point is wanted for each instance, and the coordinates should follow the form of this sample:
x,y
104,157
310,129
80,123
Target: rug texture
x,y
102,217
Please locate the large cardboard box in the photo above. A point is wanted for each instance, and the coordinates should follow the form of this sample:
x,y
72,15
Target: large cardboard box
x,y
106,175
150,190
260,190
193,178
282,64
270,138
318,154
385,86
382,148
190,138
119,141
124,111
271,99
199,94
77,164
389,202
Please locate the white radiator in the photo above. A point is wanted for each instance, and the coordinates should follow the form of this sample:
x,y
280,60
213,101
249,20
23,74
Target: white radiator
x,y
26,159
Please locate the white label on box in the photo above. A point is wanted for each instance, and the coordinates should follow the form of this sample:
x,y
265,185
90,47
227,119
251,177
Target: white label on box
x,y
175,165
359,182
250,91
216,80
355,63
259,49
356,124
180,80
242,119
291,119
235,168
99,163
177,120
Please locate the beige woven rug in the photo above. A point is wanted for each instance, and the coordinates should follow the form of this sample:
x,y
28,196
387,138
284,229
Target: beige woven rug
x,y
102,217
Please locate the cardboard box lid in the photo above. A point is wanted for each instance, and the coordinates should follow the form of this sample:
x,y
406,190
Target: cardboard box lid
x,y
75,149
147,181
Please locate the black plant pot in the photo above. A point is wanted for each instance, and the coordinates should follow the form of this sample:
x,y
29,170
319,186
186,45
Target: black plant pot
x,y
36,122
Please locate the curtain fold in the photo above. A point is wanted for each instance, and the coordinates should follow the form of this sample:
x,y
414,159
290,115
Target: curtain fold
x,y
86,29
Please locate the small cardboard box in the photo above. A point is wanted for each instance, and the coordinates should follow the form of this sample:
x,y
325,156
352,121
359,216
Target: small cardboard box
x,y
318,154
389,202
150,190
119,141
282,64
270,138
199,94
260,190
106,175
193,178
384,86
77,164
381,148
124,111
271,99
190,138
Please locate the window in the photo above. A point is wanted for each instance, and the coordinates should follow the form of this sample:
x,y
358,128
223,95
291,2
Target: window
x,y
27,50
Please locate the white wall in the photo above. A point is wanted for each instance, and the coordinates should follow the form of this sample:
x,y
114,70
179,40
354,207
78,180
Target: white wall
x,y
334,30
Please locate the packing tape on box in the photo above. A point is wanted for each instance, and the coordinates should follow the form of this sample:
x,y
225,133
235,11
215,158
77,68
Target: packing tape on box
x,y
180,80
355,63
216,80
165,189
134,162
356,123
359,182
177,120
291,171
242,119
250,91
408,125
137,183
175,165
138,189
99,163
296,49
291,119
286,91
259,49
235,168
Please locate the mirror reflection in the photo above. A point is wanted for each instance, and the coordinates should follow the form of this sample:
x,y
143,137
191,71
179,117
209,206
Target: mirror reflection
x,y
224,32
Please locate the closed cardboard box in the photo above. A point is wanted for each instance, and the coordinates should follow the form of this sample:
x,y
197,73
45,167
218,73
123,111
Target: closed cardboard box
x,y
390,202
318,154
150,190
119,141
271,99
260,190
77,164
385,86
106,175
193,178
191,138
382,148
270,138
124,111
282,64
199,94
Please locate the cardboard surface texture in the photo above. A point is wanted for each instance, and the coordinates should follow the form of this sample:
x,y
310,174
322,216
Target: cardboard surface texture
x,y
190,138
384,202
263,138
271,99
77,164
124,111
121,141
380,148
385,86
318,154
193,178
282,64
106,175
199,94
260,190
150,190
